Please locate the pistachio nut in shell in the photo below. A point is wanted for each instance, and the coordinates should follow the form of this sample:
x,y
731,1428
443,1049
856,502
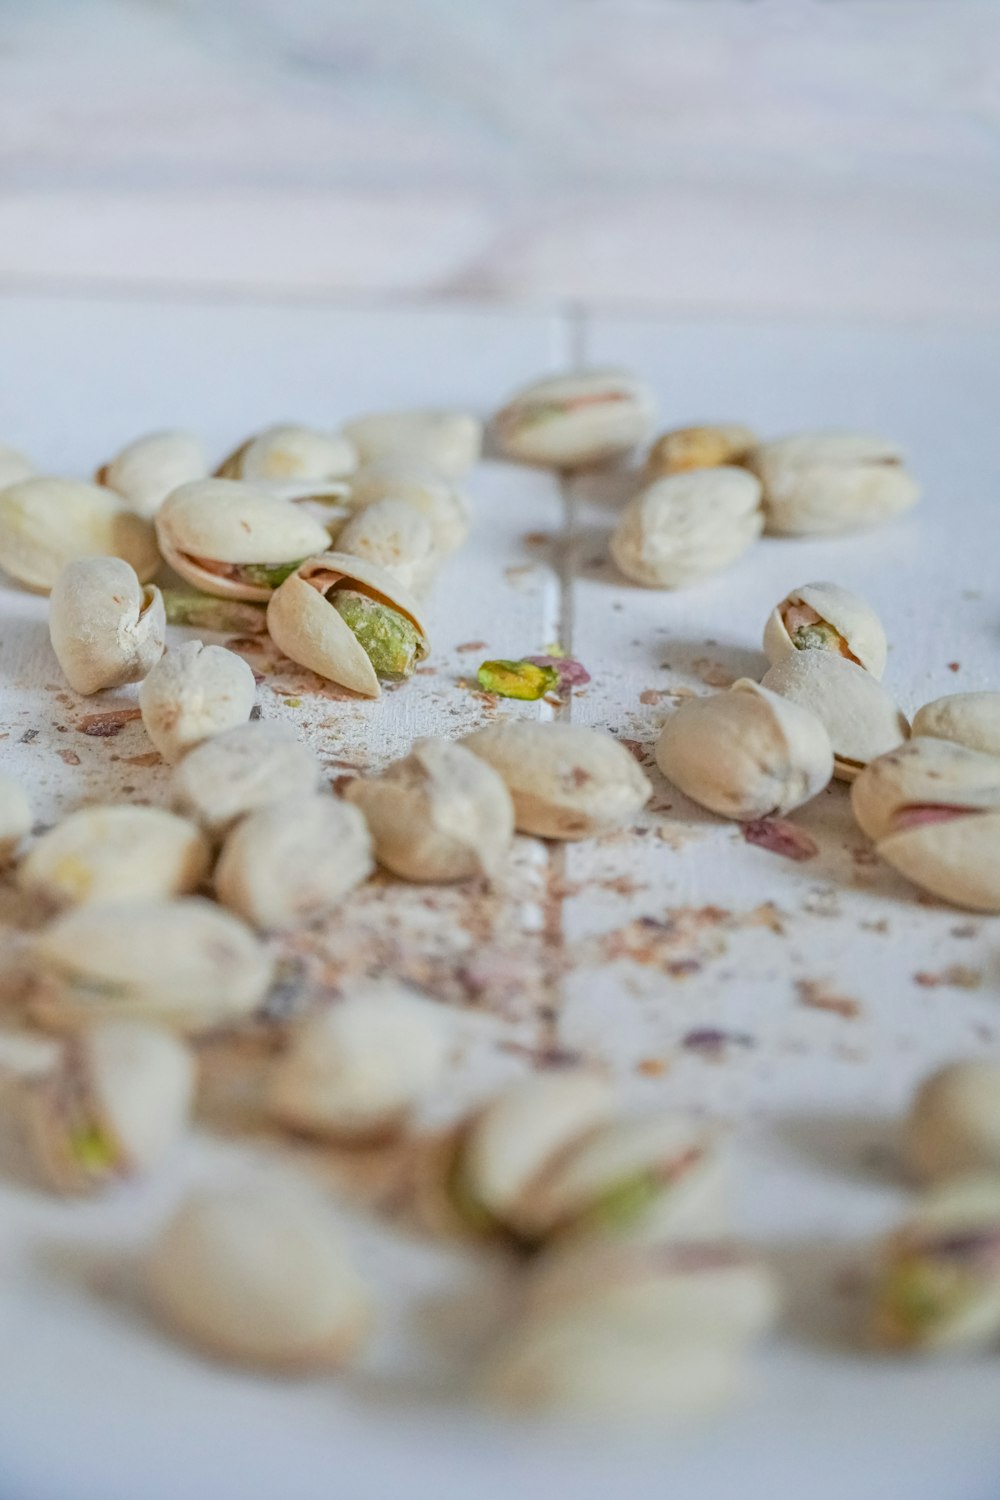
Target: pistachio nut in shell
x,y
745,753
969,719
861,717
953,1124
115,853
231,539
350,621
571,421
241,769
184,963
708,446
145,471
566,781
259,1275
443,506
46,523
685,527
450,442
826,617
15,817
195,691
825,483
106,628
293,862
355,1070
395,536
114,1107
440,813
14,465
290,451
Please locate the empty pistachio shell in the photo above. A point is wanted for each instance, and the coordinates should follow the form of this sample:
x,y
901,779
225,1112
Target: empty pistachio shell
x,y
355,1070
105,626
954,1121
13,466
230,539
704,447
291,452
293,862
860,716
235,772
15,817
566,781
46,523
569,421
440,813
184,963
450,441
114,1107
122,853
825,617
350,621
823,483
745,753
146,471
687,526
259,1275
970,719
192,693
396,537
444,508
938,1286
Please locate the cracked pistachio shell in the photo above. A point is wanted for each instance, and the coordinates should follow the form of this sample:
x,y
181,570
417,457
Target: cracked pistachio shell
x,y
306,627
685,527
46,523
259,1275
566,781
356,1070
13,466
709,446
240,770
106,628
570,421
396,537
444,507
146,471
114,1107
184,963
15,817
116,854
291,452
861,717
745,753
440,813
293,862
969,719
195,691
825,617
953,1125
825,483
234,527
449,441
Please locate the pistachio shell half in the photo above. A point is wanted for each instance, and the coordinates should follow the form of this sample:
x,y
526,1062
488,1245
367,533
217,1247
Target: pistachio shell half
x,y
970,719
824,483
118,854
860,716
13,466
288,451
687,526
194,692
703,447
396,537
953,1125
570,421
15,817
444,507
106,628
148,469
825,617
449,441
46,523
236,772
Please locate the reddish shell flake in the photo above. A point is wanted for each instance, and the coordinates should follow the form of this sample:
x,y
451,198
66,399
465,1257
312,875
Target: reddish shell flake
x,y
781,837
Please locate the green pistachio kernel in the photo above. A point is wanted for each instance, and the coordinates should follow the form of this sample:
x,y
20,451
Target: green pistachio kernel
x,y
92,1149
517,679
817,637
915,1297
392,643
268,575
625,1204
205,612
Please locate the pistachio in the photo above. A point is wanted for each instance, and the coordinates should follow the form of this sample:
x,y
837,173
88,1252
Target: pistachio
x,y
570,421
15,817
184,963
443,506
259,1275
685,527
46,523
525,680
235,772
860,716
192,693
709,446
953,1125
13,466
147,470
440,813
348,620
396,537
205,612
291,863
969,719
356,1070
938,1285
113,1108
106,628
825,617
566,781
291,452
118,854
448,441
230,539
745,753
824,483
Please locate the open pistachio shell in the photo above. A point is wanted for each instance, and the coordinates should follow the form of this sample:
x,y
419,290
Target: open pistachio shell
x,y
240,770
570,421
46,523
14,466
116,853
969,719
687,526
953,1125
443,506
15,817
288,451
860,716
194,692
703,447
147,470
230,539
395,536
825,617
449,441
824,483
305,625
106,628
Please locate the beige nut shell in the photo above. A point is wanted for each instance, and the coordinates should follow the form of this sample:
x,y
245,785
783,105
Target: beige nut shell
x,y
195,691
145,471
291,452
924,772
707,446
115,854
14,466
825,483
106,628
853,619
953,1125
969,719
859,714
15,817
46,523
449,441
395,536
443,506
235,772
687,526
571,421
